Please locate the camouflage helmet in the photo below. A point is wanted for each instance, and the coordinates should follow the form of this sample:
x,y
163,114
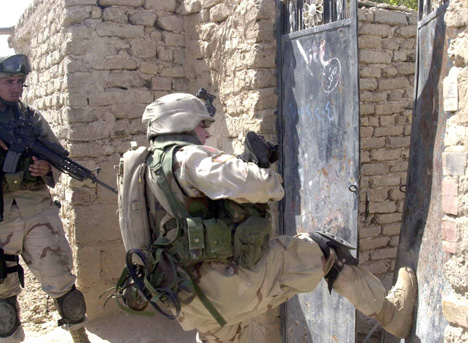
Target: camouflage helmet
x,y
14,65
175,113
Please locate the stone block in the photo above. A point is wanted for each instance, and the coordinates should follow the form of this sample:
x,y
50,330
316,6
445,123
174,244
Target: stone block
x,y
374,168
149,68
116,63
367,84
143,48
158,5
90,268
399,142
388,180
144,18
93,226
454,163
367,132
109,29
76,15
388,131
373,243
188,7
111,253
389,108
399,166
173,39
210,3
457,14
378,194
171,23
450,196
388,218
373,57
172,72
382,207
390,44
395,83
389,71
370,42
370,71
380,30
369,232
127,3
161,83
367,109
455,309
390,17
116,15
219,13
120,96
381,254
400,56
391,230
449,231
406,31
68,3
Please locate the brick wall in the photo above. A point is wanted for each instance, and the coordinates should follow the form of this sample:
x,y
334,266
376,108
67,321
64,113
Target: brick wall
x,y
386,55
98,63
455,182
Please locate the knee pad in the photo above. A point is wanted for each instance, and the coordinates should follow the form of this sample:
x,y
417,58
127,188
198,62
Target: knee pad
x,y
9,319
336,248
71,307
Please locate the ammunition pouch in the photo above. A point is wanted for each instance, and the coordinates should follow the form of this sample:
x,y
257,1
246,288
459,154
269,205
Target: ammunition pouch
x,y
14,181
250,239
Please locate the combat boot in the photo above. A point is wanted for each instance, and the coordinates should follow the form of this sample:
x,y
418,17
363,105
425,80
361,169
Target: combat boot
x,y
396,316
80,336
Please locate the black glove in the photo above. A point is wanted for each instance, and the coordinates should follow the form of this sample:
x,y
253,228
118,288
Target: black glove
x,y
257,150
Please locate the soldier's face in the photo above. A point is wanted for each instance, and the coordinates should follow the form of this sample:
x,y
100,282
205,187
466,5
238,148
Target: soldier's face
x,y
201,132
11,88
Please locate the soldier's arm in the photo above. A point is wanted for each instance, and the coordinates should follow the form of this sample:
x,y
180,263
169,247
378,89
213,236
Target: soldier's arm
x,y
207,171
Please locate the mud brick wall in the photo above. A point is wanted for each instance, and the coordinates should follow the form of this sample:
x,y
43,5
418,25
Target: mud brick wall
x,y
455,182
98,63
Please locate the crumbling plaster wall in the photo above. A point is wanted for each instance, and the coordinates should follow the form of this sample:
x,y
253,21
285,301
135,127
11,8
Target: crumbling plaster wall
x,y
98,63
455,182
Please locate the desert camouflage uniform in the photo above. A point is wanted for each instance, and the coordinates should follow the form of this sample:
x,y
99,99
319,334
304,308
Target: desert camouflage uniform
x,y
32,228
291,265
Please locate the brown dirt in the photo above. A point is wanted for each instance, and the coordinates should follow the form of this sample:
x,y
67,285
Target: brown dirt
x,y
39,318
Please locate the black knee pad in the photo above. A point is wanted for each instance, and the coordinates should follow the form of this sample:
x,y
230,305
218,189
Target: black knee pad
x,y
9,319
341,249
71,307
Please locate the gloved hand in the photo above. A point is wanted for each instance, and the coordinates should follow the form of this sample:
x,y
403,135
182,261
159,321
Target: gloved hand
x,y
257,150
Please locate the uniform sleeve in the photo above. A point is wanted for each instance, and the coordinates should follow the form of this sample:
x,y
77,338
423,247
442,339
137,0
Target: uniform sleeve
x,y
39,121
206,171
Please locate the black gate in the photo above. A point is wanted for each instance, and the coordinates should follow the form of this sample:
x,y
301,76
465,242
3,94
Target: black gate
x,y
319,135
420,240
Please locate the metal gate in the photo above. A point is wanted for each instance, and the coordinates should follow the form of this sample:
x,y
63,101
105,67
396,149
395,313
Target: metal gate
x,y
420,240
319,135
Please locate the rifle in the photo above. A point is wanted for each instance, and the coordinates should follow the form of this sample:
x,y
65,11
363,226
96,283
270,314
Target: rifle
x,y
18,136
204,95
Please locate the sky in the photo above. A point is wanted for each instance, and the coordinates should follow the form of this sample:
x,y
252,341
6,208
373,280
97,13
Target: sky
x,y
10,12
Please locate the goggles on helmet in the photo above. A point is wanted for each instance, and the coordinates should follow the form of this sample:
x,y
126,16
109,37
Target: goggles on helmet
x,y
15,64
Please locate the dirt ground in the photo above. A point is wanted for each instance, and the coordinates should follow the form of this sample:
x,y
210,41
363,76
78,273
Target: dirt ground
x,y
39,319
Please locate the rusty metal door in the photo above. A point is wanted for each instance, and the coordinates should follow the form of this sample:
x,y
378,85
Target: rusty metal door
x,y
420,237
319,136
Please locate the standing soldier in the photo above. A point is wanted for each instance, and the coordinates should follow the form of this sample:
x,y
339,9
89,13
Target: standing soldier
x,y
211,259
30,225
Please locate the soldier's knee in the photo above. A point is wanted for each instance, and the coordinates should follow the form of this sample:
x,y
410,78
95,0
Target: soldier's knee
x,y
9,318
71,307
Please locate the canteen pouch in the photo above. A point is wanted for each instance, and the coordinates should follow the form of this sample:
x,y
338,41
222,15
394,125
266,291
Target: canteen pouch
x,y
14,181
250,240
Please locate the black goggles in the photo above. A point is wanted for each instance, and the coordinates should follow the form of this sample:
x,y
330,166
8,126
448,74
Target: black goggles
x,y
16,64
